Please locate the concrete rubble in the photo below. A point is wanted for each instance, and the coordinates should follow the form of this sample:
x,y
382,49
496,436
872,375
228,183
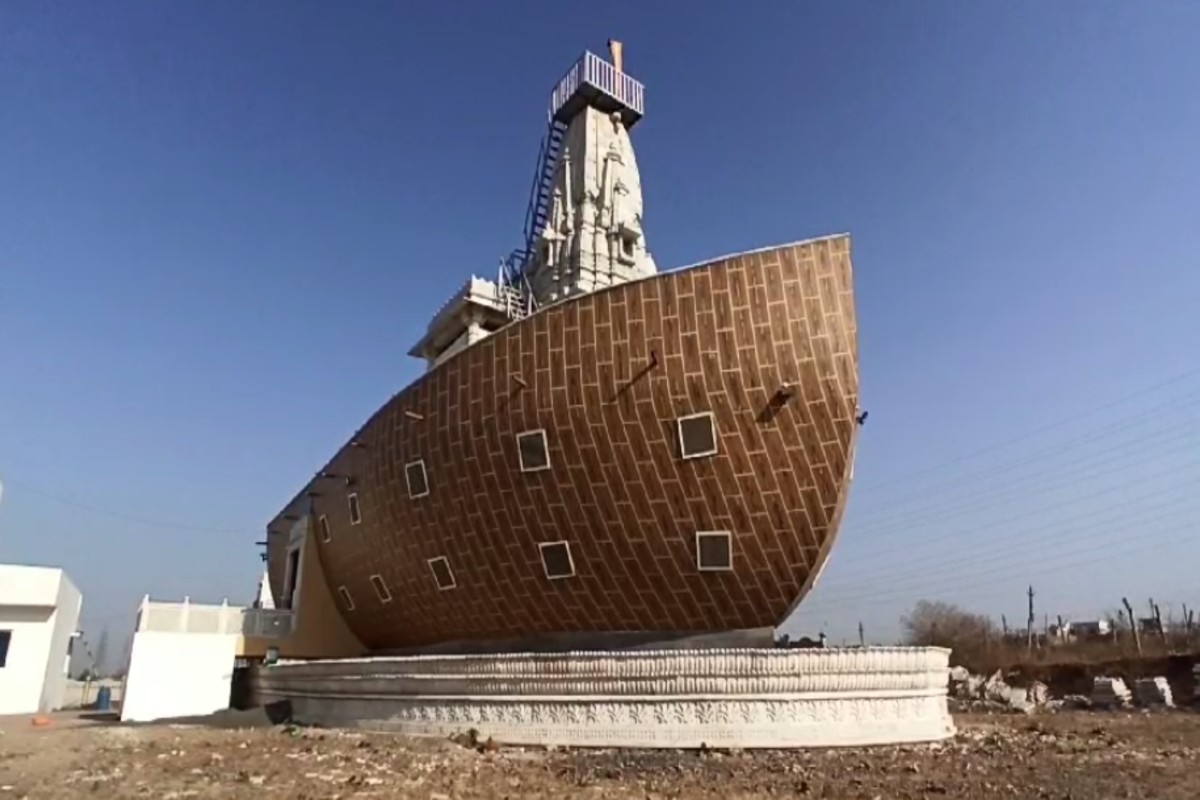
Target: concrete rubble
x,y
1152,692
970,692
1110,693
975,693
1074,702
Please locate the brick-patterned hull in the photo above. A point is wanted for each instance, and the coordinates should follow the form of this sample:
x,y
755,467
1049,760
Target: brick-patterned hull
x,y
606,375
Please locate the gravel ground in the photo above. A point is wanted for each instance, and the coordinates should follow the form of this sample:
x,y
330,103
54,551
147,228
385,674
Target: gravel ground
x,y
1075,756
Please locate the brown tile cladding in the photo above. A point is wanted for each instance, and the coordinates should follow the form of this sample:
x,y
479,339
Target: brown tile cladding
x,y
606,375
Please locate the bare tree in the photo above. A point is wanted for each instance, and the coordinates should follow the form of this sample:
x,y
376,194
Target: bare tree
x,y
946,625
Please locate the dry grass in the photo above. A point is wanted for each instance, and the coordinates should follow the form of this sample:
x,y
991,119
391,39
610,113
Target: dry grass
x,y
977,643
1002,654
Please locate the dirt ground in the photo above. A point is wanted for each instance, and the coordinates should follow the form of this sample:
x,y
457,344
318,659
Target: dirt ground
x,y
1069,756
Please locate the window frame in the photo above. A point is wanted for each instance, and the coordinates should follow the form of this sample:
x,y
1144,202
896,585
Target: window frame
x,y
323,529
449,571
347,598
545,449
543,546
712,424
354,506
377,582
727,536
408,480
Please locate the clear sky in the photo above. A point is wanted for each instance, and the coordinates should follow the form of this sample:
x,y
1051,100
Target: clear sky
x,y
223,224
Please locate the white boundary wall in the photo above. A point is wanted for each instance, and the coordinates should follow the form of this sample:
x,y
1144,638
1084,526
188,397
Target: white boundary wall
x,y
178,675
182,659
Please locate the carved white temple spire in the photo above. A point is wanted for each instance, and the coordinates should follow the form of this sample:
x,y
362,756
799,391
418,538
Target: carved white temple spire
x,y
593,237
583,228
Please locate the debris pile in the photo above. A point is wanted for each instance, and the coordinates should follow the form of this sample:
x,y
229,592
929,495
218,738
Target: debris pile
x,y
971,693
1151,692
1074,702
964,685
974,693
1110,693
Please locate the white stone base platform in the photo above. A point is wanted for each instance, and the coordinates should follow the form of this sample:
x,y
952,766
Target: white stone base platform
x,y
718,698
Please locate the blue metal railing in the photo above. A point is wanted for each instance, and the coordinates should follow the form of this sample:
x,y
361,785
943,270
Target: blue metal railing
x,y
592,70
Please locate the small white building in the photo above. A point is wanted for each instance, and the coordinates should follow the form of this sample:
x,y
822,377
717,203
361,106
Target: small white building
x,y
39,612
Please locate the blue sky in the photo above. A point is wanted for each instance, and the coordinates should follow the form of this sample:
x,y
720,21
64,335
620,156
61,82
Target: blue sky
x,y
223,224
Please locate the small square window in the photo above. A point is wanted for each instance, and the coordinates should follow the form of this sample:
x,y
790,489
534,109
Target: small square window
x,y
418,483
556,560
355,509
323,528
347,600
442,575
531,447
381,589
697,435
714,551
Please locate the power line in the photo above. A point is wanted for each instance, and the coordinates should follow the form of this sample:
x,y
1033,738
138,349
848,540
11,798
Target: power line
x,y
1004,492
920,573
121,515
1174,470
1088,438
1043,429
1021,572
1141,416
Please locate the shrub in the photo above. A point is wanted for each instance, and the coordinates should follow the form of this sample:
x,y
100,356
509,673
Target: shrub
x,y
945,625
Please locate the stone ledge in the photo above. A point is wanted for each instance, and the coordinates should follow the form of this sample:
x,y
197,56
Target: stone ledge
x,y
649,663
767,698
394,684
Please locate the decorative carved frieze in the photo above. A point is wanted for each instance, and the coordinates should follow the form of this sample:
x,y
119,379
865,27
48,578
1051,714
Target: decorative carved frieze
x,y
730,698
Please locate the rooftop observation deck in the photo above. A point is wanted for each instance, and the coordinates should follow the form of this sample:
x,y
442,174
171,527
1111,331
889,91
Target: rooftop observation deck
x,y
595,82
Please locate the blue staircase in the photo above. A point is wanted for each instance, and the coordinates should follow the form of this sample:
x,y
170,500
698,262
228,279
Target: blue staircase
x,y
543,183
515,267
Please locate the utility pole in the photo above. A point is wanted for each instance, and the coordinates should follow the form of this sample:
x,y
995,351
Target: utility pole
x,y
1004,625
1162,631
862,639
1133,625
1029,624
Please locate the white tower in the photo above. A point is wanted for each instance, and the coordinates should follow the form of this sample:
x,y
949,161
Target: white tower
x,y
583,224
584,227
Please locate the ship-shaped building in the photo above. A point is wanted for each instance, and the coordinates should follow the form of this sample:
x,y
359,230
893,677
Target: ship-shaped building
x,y
597,447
